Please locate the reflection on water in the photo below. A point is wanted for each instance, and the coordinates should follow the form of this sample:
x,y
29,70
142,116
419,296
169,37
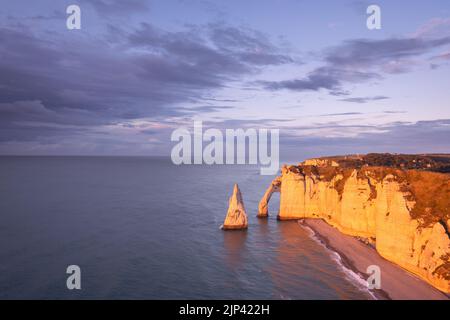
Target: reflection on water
x,y
263,226
235,249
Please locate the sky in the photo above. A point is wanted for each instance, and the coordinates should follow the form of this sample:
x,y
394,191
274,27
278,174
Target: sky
x,y
137,70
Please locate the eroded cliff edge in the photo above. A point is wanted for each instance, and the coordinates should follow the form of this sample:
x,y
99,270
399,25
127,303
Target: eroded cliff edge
x,y
403,207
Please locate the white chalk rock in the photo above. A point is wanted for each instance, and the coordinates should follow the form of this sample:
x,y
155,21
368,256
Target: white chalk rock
x,y
236,216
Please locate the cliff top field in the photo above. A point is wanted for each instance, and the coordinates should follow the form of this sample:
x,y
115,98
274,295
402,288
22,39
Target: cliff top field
x,y
427,162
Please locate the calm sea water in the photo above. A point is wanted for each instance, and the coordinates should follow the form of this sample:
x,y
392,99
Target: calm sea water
x,y
147,229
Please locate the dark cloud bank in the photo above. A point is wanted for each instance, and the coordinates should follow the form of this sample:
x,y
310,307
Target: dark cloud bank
x,y
69,86
60,85
360,60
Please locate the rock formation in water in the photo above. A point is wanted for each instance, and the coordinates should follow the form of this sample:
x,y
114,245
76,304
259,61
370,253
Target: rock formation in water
x,y
236,216
395,201
263,209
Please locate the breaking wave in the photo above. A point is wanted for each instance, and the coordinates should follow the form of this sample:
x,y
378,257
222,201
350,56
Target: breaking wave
x,y
350,275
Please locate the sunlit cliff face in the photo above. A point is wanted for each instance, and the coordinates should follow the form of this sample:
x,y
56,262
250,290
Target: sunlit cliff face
x,y
405,212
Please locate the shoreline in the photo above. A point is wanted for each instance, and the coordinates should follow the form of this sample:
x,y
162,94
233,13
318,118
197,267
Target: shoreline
x,y
396,283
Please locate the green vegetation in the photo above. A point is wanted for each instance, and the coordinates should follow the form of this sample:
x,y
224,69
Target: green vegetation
x,y
427,162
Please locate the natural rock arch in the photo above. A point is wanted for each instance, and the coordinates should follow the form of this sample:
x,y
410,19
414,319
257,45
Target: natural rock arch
x,y
263,207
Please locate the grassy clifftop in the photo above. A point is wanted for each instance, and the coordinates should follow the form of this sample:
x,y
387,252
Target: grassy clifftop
x,y
427,162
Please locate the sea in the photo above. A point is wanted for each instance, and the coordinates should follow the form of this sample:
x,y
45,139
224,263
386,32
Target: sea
x,y
144,228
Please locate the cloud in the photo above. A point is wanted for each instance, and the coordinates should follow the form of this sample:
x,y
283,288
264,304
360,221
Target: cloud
x,y
232,50
125,91
249,45
367,53
329,78
364,99
341,114
394,112
443,56
205,109
360,60
49,81
433,27
23,108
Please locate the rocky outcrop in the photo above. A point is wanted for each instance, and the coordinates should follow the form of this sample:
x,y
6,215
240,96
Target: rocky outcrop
x,y
263,208
404,212
236,216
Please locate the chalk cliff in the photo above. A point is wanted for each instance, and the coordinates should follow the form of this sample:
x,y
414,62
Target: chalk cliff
x,y
236,216
404,211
